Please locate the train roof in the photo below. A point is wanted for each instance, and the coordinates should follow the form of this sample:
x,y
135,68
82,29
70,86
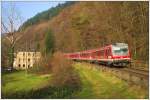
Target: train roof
x,y
120,44
93,50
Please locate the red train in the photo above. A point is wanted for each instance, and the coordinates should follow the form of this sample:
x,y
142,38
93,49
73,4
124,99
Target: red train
x,y
117,54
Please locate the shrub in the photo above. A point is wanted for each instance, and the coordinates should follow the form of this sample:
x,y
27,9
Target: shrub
x,y
63,72
41,67
65,80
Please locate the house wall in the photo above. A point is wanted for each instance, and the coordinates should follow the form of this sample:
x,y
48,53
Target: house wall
x,y
25,60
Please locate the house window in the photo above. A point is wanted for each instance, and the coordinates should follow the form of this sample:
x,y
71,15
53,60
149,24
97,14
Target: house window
x,y
28,54
23,54
19,65
28,66
29,59
23,65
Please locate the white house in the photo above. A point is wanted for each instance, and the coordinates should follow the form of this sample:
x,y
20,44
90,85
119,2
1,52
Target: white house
x,y
24,60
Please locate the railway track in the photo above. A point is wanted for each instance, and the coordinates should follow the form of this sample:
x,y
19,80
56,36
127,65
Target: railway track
x,y
137,71
129,74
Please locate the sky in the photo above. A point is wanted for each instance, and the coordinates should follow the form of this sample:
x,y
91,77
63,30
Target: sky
x,y
28,9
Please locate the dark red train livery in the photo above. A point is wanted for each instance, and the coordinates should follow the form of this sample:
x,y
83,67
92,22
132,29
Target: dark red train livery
x,y
117,54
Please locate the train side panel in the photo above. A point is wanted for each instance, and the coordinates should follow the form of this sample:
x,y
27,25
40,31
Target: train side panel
x,y
102,55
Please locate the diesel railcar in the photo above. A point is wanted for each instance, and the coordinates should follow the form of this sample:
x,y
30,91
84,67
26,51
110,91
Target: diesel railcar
x,y
117,54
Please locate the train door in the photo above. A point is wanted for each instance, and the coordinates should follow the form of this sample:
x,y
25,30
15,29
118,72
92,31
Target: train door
x,y
102,53
107,53
92,55
97,54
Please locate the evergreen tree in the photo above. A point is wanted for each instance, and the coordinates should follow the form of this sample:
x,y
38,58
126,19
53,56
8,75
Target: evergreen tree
x,y
49,42
37,44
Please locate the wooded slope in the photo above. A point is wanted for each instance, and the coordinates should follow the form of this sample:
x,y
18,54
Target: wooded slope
x,y
88,25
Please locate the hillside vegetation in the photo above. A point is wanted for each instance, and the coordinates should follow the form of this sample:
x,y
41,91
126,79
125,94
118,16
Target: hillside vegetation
x,y
88,25
45,15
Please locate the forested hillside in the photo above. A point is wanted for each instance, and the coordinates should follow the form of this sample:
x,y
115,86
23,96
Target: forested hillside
x,y
87,25
45,15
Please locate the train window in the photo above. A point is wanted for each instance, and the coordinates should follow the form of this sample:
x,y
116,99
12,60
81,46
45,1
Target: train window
x,y
124,50
97,54
88,54
121,52
101,53
108,52
83,54
19,59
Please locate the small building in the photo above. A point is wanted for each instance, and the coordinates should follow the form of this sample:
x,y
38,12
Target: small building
x,y
24,60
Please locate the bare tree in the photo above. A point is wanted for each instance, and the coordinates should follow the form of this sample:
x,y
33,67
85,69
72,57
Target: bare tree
x,y
11,19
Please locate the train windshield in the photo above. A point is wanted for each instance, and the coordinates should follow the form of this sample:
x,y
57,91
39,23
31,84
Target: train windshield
x,y
120,50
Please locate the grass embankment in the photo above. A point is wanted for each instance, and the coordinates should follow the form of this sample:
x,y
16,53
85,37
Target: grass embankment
x,y
97,84
19,85
94,84
16,83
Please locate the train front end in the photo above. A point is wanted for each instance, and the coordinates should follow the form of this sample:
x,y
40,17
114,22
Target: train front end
x,y
120,54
